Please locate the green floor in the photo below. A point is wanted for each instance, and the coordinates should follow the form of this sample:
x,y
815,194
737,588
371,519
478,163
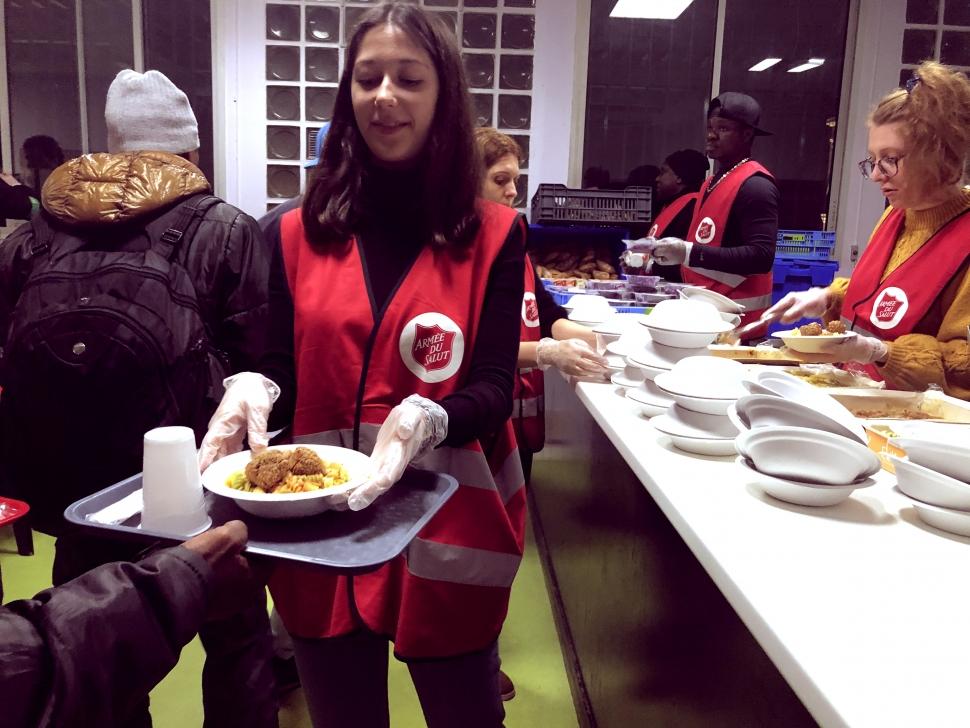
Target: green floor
x,y
529,647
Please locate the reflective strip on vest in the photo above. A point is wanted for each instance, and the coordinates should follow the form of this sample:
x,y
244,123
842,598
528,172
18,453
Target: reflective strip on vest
x,y
526,370
461,564
531,407
468,467
755,303
510,478
728,279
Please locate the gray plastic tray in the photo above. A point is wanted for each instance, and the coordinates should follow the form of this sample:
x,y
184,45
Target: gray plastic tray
x,y
347,540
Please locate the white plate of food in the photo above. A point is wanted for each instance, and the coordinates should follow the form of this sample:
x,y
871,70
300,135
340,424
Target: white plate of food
x,y
289,481
814,338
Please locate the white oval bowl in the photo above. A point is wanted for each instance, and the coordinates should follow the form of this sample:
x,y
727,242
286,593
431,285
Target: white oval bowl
x,y
685,423
649,372
645,406
810,344
929,486
703,405
711,376
719,301
945,519
805,454
289,505
948,458
696,388
801,494
621,379
662,356
684,339
685,315
697,445
795,390
762,410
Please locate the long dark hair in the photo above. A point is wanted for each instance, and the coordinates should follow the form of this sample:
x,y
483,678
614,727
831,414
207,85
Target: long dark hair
x,y
449,164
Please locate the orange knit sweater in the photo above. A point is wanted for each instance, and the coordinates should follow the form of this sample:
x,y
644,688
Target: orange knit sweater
x,y
937,352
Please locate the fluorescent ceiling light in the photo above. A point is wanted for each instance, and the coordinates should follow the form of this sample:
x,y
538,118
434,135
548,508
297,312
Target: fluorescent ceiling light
x,y
765,64
812,63
655,9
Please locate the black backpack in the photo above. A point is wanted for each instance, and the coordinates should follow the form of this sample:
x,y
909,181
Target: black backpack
x,y
103,345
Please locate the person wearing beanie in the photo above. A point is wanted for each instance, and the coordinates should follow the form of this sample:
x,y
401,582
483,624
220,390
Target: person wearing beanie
x,y
730,242
680,177
209,279
147,112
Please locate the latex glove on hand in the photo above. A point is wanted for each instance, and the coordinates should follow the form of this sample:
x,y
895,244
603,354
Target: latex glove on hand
x,y
410,430
812,303
863,349
242,413
670,251
571,356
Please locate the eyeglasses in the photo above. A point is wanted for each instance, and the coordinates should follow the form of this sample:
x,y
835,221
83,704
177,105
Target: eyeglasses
x,y
888,166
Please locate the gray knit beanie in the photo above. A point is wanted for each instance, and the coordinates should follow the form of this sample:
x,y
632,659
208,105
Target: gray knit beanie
x,y
146,112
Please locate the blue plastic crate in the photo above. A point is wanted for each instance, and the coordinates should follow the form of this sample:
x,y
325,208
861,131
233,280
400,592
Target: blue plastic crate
x,y
798,274
560,298
811,244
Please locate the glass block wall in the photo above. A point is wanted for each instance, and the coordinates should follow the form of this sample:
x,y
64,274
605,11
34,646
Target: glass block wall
x,y
305,40
935,30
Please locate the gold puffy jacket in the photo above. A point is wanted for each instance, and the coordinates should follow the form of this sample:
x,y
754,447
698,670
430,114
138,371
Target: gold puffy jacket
x,y
110,188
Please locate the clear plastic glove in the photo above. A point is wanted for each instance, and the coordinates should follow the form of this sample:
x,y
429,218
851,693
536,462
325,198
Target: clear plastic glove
x,y
812,303
242,413
410,430
863,349
639,246
571,356
670,251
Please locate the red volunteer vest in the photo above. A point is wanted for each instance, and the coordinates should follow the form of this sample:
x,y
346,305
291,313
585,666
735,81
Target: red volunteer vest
x,y
448,593
669,213
528,407
890,308
707,228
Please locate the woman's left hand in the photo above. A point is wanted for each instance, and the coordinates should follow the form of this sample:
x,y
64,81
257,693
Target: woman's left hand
x,y
863,349
411,429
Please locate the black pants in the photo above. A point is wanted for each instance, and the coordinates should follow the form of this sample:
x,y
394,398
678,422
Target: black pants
x,y
345,683
238,688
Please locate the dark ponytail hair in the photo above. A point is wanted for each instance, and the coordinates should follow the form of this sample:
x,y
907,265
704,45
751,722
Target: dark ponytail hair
x,y
450,170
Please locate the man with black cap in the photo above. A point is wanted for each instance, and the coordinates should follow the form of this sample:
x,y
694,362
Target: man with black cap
x,y
730,245
681,176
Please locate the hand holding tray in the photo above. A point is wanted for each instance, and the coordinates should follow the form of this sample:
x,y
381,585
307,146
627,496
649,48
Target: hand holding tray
x,y
345,540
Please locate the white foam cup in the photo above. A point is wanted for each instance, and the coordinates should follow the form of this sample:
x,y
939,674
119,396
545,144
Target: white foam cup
x,y
174,501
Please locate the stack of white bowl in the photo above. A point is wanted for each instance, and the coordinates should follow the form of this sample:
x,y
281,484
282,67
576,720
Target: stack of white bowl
x,y
935,476
701,389
798,444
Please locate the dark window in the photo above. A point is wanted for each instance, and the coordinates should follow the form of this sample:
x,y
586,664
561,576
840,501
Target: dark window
x,y
649,82
801,109
177,39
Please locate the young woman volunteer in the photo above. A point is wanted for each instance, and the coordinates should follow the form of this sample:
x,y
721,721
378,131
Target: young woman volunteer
x,y
397,299
548,338
909,296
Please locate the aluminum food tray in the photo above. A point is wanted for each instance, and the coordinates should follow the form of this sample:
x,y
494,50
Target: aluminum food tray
x,y
345,540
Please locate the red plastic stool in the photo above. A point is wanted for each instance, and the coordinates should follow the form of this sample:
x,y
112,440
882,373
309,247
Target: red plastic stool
x,y
13,512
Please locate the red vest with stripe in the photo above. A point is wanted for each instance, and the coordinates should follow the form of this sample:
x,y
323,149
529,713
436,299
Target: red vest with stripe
x,y
669,213
448,593
707,228
890,308
528,408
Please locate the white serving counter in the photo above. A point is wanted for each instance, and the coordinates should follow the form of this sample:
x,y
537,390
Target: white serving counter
x,y
863,609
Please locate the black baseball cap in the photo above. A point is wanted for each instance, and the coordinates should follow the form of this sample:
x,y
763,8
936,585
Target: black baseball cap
x,y
738,107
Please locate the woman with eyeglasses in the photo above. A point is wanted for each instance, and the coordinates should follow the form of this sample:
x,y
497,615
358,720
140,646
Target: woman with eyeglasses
x,y
908,299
